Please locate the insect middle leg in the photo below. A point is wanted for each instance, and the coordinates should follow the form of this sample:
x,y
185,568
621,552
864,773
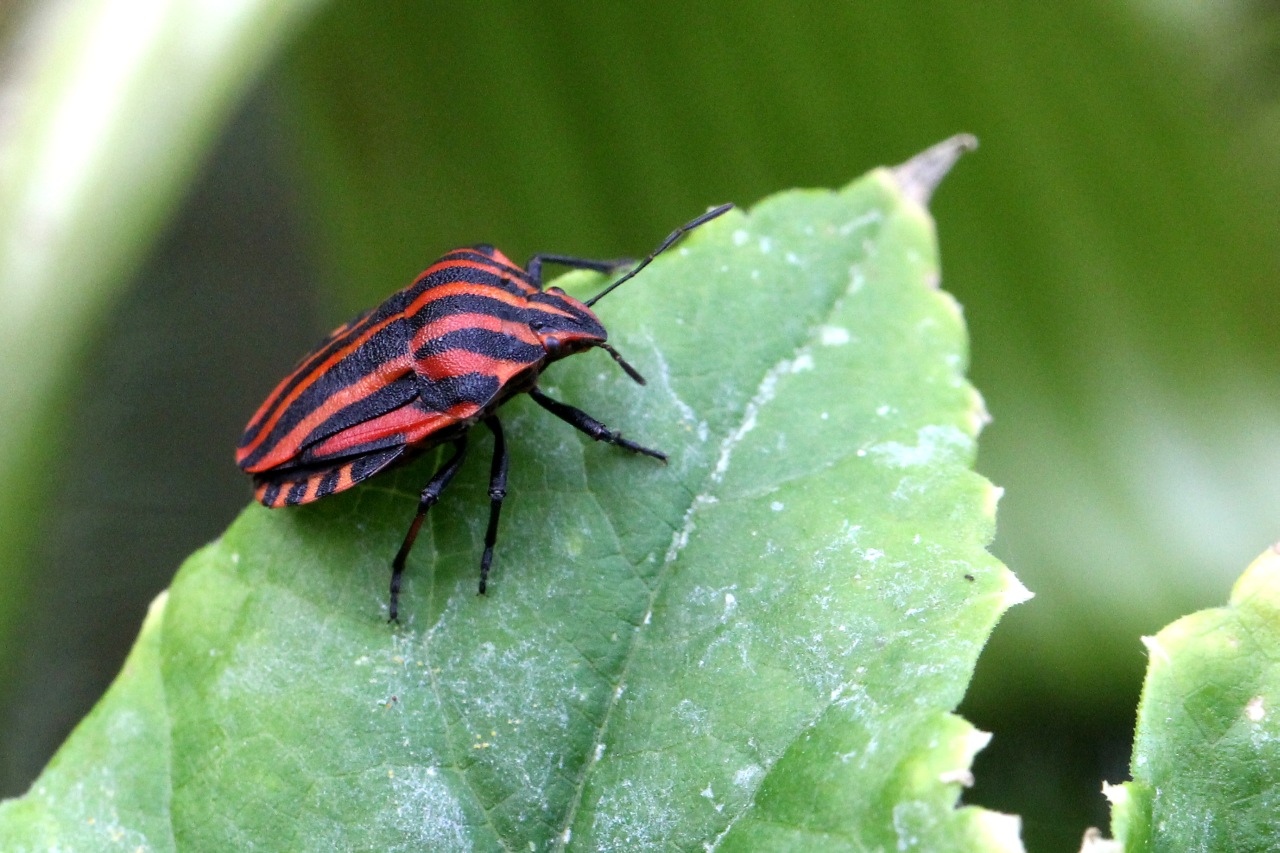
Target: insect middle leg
x,y
497,491
580,420
430,495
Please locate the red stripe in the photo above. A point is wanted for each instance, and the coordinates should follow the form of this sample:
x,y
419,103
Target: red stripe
x,y
291,443
403,421
461,322
456,362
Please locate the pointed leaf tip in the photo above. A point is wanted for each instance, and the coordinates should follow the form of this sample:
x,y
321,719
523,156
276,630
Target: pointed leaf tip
x,y
920,175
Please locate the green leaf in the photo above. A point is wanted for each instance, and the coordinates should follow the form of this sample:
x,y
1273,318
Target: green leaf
x,y
108,788
1206,757
757,646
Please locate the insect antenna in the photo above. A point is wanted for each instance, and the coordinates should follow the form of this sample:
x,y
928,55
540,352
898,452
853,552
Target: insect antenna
x,y
666,244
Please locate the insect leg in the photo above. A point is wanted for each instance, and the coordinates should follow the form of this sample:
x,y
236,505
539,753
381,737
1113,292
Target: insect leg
x,y
534,267
497,491
579,419
430,495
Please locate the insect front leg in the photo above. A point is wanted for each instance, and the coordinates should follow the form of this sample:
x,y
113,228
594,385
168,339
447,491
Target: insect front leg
x,y
497,492
430,495
534,267
580,420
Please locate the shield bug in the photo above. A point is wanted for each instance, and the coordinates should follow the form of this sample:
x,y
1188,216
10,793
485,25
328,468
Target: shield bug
x,y
470,333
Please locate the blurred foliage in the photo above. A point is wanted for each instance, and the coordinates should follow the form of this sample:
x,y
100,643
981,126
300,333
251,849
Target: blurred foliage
x,y
108,110
1113,244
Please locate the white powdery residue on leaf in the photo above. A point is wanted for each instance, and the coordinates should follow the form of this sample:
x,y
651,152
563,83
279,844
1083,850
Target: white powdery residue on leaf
x,y
747,776
803,361
426,812
491,687
912,821
1255,710
848,535
857,280
679,539
935,443
687,414
834,336
692,715
83,804
629,817
764,394
740,237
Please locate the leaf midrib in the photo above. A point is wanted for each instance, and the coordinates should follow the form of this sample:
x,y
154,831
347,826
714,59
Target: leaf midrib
x,y
713,477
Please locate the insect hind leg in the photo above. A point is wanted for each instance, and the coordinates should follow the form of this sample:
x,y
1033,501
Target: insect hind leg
x,y
580,420
497,492
435,486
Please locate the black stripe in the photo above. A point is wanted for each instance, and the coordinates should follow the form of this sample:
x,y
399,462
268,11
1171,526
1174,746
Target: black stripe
x,y
364,463
485,254
389,397
467,303
366,466
477,388
459,274
312,456
482,342
557,300
328,483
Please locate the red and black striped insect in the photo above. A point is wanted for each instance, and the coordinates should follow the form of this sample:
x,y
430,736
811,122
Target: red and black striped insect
x,y
473,331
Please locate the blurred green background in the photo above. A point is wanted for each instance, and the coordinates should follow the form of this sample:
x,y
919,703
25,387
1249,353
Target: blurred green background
x,y
234,183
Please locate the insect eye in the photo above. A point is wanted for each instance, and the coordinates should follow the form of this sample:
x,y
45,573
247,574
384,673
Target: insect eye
x,y
552,345
556,290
